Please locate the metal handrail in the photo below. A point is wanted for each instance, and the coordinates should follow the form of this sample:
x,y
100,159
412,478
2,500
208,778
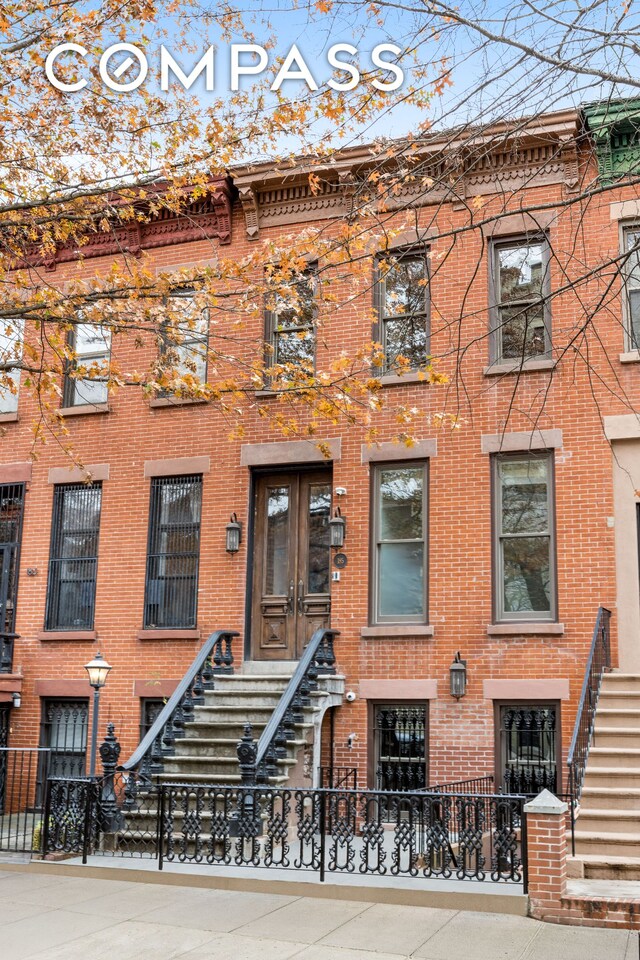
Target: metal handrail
x,y
599,661
261,759
198,671
306,660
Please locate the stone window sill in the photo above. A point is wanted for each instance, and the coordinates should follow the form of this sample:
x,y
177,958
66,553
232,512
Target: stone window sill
x,y
169,634
85,635
397,380
265,394
392,630
632,356
528,366
9,417
83,409
528,627
157,402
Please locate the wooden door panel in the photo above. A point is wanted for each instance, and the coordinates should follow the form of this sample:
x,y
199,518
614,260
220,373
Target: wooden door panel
x,y
291,575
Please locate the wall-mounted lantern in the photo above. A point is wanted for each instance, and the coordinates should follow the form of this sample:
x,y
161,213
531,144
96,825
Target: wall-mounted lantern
x,y
337,527
458,677
234,534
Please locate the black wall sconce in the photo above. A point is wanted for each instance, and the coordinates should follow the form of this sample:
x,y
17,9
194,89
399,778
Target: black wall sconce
x,y
234,534
458,677
337,527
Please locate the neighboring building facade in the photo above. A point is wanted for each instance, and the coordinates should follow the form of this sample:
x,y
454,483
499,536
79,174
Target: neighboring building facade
x,y
498,540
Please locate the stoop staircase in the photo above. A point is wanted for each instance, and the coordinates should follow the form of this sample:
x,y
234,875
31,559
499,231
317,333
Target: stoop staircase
x,y
207,752
607,831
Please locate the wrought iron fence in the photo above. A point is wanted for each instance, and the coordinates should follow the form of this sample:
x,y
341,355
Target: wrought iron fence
x,y
334,777
23,774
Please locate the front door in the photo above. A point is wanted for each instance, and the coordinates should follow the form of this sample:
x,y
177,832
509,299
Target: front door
x,y
292,559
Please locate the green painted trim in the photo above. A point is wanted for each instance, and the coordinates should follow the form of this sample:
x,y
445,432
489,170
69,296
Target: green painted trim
x,y
615,128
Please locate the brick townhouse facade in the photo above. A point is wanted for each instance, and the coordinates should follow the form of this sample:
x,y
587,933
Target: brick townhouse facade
x,y
498,540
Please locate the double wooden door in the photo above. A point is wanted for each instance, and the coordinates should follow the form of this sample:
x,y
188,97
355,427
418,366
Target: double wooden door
x,y
292,562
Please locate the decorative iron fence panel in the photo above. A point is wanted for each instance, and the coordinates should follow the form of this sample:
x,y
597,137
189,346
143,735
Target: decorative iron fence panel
x,y
363,833
23,774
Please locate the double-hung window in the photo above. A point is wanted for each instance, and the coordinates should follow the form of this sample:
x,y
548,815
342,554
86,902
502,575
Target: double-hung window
x,y
521,316
73,558
403,310
173,552
631,273
399,580
184,341
86,381
524,546
290,326
10,354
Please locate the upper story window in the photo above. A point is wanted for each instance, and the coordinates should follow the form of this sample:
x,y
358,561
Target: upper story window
x,y
399,579
10,355
403,310
524,545
521,318
290,323
73,558
631,273
91,345
173,552
185,338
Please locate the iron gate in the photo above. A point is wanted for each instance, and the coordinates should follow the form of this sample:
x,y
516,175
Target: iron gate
x,y
23,776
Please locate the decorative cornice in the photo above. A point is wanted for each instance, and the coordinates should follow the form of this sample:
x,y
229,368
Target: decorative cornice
x,y
615,129
204,219
455,165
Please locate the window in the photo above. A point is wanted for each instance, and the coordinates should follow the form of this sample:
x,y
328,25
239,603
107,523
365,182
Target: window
x,y
173,553
290,324
631,273
400,542
400,746
528,748
63,730
11,513
403,310
185,339
524,538
73,558
150,710
10,355
521,317
91,345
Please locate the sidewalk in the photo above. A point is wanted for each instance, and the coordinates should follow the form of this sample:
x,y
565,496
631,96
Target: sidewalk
x,y
71,918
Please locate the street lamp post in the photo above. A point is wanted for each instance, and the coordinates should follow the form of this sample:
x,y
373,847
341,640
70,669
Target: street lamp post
x,y
97,669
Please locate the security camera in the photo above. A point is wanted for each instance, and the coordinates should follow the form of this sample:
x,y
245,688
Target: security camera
x,y
350,696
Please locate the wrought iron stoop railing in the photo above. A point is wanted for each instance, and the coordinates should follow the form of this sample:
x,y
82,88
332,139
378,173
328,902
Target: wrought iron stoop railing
x,y
259,761
598,663
214,657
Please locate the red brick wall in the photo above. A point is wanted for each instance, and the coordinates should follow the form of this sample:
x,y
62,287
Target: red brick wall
x,y
461,733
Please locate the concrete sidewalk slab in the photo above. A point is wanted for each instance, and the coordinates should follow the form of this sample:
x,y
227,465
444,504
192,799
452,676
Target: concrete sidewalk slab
x,y
152,921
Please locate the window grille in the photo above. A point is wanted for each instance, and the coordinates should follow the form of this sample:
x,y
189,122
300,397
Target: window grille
x,y
64,731
150,709
403,297
11,513
528,748
400,747
73,558
173,552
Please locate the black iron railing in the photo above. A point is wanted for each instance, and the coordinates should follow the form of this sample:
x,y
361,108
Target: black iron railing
x,y
357,832
599,661
23,777
334,777
259,761
472,785
214,657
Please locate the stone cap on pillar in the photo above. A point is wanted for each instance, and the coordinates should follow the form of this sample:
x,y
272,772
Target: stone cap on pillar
x,y
546,802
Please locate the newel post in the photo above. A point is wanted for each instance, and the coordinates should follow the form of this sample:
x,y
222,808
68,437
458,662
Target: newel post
x,y
546,855
111,818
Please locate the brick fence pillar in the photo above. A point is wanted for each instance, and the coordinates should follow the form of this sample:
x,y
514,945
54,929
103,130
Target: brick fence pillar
x,y
546,855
